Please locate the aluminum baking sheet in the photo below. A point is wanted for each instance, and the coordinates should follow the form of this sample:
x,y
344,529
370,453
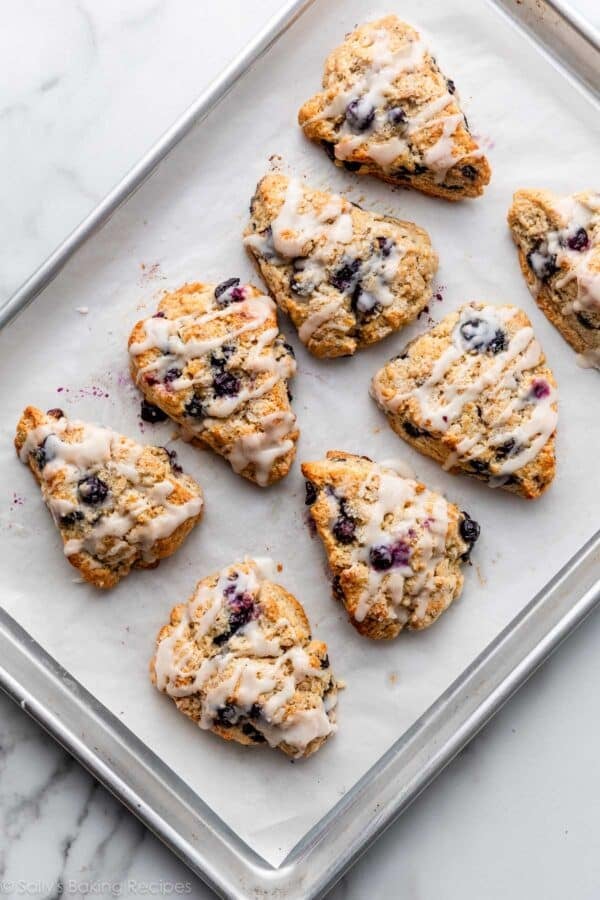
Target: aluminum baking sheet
x,y
538,129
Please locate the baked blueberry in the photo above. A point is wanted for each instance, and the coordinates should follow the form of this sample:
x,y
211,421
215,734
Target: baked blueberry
x,y
172,375
381,558
172,454
225,286
253,733
225,384
397,116
56,413
540,388
541,262
227,715
479,465
194,408
413,431
363,303
360,114
337,589
311,493
385,245
220,357
346,276
585,322
482,336
505,449
469,172
579,241
344,528
71,518
151,413
469,532
92,490
40,456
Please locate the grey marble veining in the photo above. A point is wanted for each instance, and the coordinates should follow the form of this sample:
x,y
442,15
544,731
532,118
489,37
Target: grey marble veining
x,y
87,88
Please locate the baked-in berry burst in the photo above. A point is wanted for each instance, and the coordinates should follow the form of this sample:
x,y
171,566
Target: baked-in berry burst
x,y
578,241
385,556
151,413
360,114
225,384
540,388
229,291
311,493
469,531
92,490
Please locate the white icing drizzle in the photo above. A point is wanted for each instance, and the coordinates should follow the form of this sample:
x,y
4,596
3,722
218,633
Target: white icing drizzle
x,y
579,211
385,66
144,515
372,86
294,228
441,400
298,230
262,448
324,313
249,669
418,532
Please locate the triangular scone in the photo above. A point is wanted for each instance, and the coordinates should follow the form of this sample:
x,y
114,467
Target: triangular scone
x,y
212,359
386,109
117,504
475,394
345,276
238,659
394,547
559,250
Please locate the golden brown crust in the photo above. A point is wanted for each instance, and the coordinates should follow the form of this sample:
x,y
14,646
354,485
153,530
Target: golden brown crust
x,y
422,148
373,283
394,548
487,437
83,492
242,366
252,639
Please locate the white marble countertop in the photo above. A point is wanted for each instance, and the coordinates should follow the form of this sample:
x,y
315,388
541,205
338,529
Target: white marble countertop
x,y
87,88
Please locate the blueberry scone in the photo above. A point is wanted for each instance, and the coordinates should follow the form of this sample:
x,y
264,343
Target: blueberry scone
x,y
238,659
394,547
345,276
116,503
475,394
558,239
387,110
212,359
